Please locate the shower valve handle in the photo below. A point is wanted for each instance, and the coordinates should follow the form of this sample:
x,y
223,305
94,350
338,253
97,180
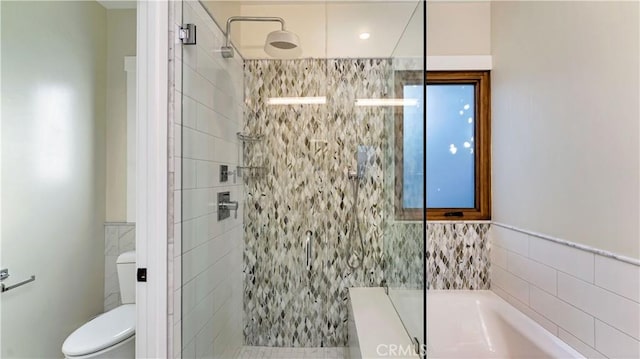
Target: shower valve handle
x,y
231,205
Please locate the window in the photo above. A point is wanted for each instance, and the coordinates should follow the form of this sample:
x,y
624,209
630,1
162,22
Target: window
x,y
458,146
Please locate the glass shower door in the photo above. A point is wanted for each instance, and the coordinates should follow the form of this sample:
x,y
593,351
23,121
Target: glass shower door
x,y
313,226
405,231
211,190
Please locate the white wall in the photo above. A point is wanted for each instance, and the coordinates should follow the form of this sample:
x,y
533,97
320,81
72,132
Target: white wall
x,y
53,160
121,42
326,30
222,10
456,28
208,296
566,169
566,145
412,42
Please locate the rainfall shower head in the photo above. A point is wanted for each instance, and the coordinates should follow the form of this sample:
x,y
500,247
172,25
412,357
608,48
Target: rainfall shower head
x,y
280,44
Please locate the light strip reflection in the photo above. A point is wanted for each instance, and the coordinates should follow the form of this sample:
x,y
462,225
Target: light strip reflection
x,y
297,100
54,132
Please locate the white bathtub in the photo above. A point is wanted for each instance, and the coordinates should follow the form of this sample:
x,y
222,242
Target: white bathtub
x,y
479,324
461,324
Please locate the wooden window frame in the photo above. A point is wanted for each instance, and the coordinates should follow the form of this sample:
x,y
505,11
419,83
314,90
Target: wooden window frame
x,y
481,81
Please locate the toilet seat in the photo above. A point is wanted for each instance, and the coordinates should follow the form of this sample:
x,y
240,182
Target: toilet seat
x,y
104,331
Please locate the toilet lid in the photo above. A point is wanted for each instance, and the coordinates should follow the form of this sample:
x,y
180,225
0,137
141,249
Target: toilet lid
x,y
103,331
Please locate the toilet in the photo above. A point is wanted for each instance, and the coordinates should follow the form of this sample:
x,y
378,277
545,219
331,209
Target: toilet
x,y
111,334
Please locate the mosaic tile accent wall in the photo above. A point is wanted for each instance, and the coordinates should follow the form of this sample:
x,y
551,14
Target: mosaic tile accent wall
x,y
306,152
404,259
118,238
457,256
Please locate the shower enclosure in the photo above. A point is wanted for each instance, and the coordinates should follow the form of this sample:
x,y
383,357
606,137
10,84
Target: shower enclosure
x,y
285,171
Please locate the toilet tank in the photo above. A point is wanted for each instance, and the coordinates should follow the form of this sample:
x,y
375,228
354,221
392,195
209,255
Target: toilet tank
x,y
126,266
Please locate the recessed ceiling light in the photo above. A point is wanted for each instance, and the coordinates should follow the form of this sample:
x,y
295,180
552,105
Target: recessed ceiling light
x,y
365,35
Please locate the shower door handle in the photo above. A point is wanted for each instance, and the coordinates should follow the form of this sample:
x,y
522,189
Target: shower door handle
x,y
309,244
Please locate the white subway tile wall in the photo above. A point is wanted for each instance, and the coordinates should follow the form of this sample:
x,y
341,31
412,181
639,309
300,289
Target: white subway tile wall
x,y
618,277
544,322
590,301
515,286
533,272
207,270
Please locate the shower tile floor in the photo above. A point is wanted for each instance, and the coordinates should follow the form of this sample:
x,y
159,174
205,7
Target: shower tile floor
x,y
292,353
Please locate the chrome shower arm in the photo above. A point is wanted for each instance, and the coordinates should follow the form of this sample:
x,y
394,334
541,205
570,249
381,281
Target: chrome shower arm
x,y
251,18
227,50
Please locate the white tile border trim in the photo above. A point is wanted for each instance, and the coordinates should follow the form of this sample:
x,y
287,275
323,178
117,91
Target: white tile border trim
x,y
583,247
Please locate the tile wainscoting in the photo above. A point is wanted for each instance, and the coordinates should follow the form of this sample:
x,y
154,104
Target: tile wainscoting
x,y
589,300
119,237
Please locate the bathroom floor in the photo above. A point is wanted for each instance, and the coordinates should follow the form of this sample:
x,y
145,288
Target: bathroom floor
x,y
293,353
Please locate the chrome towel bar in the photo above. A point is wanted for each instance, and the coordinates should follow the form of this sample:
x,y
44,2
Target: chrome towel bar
x,y
6,288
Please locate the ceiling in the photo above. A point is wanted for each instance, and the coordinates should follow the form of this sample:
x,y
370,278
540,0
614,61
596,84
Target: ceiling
x,y
327,29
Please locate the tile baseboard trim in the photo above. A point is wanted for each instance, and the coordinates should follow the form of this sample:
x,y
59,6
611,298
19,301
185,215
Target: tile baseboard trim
x,y
583,247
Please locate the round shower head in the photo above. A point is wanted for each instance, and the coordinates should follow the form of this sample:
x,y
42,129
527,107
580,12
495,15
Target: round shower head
x,y
283,44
